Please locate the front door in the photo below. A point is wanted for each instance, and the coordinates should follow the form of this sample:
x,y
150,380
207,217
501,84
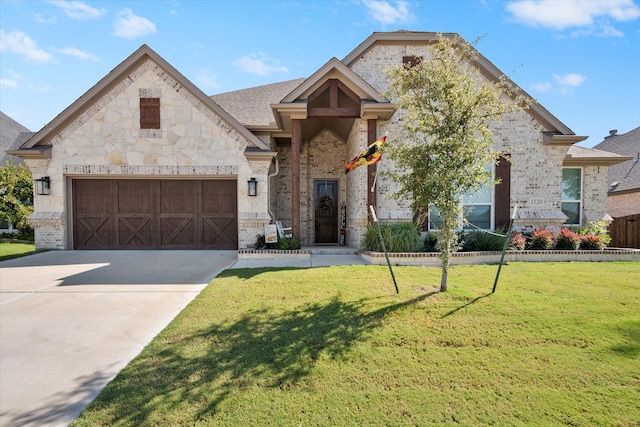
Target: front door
x,y
326,208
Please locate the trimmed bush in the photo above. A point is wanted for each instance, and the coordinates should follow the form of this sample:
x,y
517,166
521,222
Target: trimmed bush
x,y
541,239
518,242
481,241
591,242
431,242
398,237
567,240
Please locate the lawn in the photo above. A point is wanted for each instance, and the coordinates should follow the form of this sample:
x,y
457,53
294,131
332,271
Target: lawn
x,y
557,344
10,250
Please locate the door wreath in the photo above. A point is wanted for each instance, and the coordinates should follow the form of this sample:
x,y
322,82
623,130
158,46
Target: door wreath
x,y
326,203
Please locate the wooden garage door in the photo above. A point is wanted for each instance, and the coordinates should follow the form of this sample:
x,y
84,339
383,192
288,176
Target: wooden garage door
x,y
155,214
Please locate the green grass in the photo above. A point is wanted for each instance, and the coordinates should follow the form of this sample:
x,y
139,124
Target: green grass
x,y
557,344
10,250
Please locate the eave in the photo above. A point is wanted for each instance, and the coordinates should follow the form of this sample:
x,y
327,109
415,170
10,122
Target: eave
x,y
549,138
39,152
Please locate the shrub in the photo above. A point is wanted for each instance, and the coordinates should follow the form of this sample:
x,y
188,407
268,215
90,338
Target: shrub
x,y
398,237
518,242
567,239
482,241
598,228
431,242
591,242
541,239
284,243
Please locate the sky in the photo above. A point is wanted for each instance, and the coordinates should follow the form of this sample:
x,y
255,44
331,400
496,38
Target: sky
x,y
580,59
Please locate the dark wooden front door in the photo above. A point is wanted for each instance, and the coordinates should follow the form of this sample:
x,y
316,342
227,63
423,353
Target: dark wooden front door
x,y
155,214
326,208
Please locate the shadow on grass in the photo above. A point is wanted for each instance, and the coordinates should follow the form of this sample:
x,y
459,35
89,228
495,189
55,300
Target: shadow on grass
x,y
631,334
473,301
193,375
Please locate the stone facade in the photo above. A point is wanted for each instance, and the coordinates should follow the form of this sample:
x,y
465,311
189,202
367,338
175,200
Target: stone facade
x,y
106,141
199,140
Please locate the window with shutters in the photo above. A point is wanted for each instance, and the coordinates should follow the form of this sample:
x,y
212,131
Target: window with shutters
x,y
149,113
477,206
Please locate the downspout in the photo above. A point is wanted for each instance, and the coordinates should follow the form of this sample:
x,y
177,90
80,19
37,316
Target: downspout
x,y
271,175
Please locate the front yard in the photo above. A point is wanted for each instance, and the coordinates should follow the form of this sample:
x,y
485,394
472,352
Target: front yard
x,y
557,344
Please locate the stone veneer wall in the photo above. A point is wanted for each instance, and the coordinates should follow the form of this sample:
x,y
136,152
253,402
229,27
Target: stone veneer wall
x,y
536,171
106,141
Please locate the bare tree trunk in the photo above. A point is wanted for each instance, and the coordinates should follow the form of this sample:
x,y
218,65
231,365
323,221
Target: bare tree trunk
x,y
444,279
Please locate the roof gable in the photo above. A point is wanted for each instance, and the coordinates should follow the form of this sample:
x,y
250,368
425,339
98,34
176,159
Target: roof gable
x,y
542,115
334,69
111,80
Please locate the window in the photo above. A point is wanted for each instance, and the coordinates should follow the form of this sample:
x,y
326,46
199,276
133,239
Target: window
x,y
477,208
149,113
572,195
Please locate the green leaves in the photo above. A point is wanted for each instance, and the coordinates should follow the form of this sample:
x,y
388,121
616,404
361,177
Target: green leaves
x,y
448,106
16,194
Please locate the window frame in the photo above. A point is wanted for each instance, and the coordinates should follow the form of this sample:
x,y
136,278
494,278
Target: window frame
x,y
578,201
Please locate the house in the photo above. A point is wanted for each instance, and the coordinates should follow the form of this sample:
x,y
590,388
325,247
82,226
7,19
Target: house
x,y
144,159
12,136
623,197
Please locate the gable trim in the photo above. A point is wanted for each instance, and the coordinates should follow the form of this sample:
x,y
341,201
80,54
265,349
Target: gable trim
x,y
485,66
112,79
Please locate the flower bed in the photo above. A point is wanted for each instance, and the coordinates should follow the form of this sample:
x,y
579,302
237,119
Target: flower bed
x,y
432,259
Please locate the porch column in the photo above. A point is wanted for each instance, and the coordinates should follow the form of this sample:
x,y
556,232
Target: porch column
x,y
372,126
296,142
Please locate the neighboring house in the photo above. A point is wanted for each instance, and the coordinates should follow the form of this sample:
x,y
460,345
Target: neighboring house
x,y
624,178
623,199
12,136
144,159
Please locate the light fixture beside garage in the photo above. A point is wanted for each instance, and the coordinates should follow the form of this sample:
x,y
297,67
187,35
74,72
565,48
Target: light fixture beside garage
x,y
43,186
253,187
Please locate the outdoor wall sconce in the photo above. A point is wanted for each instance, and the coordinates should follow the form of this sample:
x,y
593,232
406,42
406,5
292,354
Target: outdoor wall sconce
x,y
43,186
253,187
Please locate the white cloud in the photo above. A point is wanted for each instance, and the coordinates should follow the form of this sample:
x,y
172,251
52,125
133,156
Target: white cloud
x,y
20,43
559,15
72,51
8,83
385,13
131,26
259,63
572,79
541,87
77,9
562,84
208,79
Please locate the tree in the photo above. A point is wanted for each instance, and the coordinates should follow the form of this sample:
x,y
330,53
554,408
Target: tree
x,y
16,192
447,108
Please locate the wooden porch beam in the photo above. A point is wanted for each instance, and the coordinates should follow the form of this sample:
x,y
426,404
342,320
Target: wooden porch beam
x,y
296,143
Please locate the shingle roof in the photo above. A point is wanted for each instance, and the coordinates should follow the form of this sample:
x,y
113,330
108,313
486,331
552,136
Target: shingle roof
x,y
252,106
626,174
12,135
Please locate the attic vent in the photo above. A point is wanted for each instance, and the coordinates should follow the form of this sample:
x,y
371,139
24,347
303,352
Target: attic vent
x,y
149,113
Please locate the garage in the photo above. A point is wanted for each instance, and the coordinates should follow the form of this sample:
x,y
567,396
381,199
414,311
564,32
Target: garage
x,y
154,214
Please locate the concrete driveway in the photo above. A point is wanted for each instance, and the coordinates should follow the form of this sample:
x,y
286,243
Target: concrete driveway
x,y
71,320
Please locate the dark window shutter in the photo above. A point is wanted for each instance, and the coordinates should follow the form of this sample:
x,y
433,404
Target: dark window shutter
x,y
149,113
411,61
502,193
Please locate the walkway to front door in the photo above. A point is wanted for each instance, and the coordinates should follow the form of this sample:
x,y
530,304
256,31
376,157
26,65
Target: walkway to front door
x,y
326,211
